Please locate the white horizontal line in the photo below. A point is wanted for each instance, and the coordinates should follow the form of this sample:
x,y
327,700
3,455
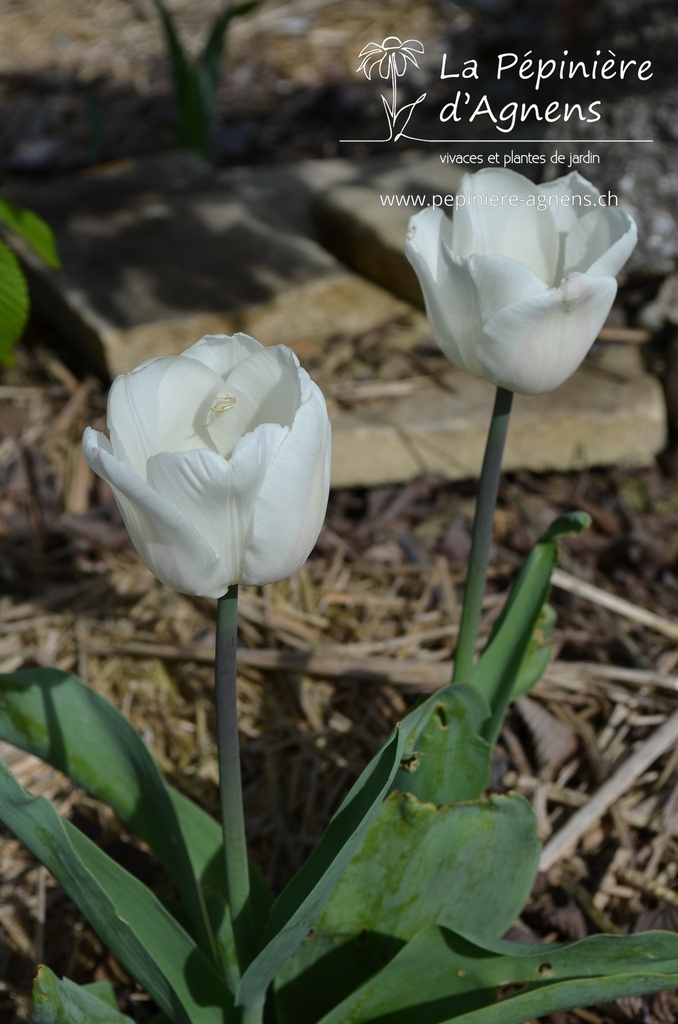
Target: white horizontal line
x,y
495,142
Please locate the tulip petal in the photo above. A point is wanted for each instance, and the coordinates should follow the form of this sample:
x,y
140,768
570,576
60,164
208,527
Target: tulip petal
x,y
162,533
595,238
220,496
498,217
449,293
499,281
573,196
160,407
265,386
285,529
535,344
223,352
599,243
622,244
587,238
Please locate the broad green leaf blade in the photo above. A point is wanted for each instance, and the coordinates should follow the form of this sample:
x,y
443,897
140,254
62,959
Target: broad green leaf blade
x,y
54,716
297,908
33,229
14,303
469,866
139,931
444,978
498,667
63,1002
472,865
444,758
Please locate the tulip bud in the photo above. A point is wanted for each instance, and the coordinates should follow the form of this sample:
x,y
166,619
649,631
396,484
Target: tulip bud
x,y
518,284
219,460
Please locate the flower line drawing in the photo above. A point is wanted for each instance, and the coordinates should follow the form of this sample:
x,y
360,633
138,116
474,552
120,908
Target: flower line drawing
x,y
391,57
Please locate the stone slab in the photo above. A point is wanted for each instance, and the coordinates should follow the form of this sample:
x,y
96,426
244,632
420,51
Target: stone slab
x,y
307,318
609,413
359,226
167,238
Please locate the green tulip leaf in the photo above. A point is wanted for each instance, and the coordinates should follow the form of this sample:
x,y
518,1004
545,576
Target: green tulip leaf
x,y
299,905
136,927
444,978
498,669
52,715
471,866
56,717
58,1001
444,758
537,657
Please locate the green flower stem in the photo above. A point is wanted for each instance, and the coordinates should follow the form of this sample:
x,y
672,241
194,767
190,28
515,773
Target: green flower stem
x,y
482,536
230,787
250,1016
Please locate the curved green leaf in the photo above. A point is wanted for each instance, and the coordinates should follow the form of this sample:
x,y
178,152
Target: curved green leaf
x,y
138,930
468,866
498,667
54,716
444,758
63,1002
14,303
537,657
483,855
33,229
445,978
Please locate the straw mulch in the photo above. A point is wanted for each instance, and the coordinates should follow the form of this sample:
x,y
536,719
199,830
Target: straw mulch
x,y
330,660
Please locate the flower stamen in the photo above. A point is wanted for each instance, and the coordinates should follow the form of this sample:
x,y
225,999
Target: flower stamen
x,y
219,406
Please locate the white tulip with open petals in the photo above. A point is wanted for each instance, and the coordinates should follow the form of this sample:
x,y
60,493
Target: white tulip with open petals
x,y
518,284
219,460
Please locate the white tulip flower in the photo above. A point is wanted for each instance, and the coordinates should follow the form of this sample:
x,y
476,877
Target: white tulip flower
x,y
219,460
518,284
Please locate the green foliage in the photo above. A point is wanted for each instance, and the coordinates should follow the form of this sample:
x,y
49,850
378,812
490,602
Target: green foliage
x,y
511,651
51,714
196,84
32,229
14,303
444,978
139,931
395,918
445,760
467,866
63,1002
14,298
